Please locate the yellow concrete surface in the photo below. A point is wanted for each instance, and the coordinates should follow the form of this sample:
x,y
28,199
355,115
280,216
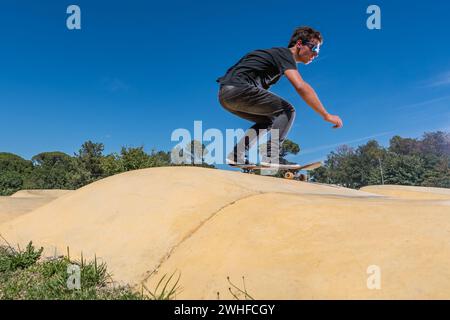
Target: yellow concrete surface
x,y
40,193
407,192
25,201
289,239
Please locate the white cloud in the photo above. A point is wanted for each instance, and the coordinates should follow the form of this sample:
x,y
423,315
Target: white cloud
x,y
327,147
424,103
440,81
114,84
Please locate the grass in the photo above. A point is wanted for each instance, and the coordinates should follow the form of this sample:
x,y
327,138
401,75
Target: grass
x,y
24,274
237,292
167,291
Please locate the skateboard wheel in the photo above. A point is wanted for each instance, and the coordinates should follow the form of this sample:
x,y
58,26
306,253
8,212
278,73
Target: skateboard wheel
x,y
288,175
302,177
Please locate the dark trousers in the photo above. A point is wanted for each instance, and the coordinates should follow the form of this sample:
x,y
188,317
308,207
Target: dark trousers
x,y
265,109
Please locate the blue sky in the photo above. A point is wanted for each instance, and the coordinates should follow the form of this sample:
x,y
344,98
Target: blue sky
x,y
137,70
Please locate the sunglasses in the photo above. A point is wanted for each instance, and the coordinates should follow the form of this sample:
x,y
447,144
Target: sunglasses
x,y
314,47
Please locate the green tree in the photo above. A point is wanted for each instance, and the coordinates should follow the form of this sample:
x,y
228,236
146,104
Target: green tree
x,y
320,175
10,182
14,173
403,169
340,168
407,161
159,158
112,164
434,153
134,158
404,146
368,164
90,156
288,147
57,170
436,143
343,166
439,177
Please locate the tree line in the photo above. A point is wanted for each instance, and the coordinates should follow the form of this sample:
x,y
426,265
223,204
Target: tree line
x,y
413,162
58,170
406,161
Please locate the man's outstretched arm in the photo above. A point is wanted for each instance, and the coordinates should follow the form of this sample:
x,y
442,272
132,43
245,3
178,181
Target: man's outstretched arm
x,y
309,95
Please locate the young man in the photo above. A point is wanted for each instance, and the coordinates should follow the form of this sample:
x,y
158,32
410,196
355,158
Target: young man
x,y
244,91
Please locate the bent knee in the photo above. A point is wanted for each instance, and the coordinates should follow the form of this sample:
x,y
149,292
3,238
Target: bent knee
x,y
290,111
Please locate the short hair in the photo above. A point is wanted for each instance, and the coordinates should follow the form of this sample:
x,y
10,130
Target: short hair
x,y
305,34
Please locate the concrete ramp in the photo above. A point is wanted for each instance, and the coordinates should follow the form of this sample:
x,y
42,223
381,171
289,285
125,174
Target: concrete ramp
x,y
289,239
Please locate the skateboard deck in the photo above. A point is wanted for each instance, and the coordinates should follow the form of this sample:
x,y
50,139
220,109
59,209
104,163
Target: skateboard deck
x,y
289,169
309,166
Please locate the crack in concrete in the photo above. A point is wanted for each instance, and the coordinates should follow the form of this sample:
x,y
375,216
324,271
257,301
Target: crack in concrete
x,y
192,232
149,274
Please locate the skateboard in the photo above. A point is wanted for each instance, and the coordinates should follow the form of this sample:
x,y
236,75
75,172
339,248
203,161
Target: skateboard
x,y
289,170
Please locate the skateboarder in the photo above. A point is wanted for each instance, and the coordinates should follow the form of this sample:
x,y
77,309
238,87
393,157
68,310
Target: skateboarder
x,y
244,90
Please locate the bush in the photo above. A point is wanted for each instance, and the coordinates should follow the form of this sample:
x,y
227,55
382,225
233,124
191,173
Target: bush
x,y
24,276
11,260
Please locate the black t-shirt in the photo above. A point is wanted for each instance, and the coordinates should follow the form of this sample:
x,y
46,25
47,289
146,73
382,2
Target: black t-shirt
x,y
261,68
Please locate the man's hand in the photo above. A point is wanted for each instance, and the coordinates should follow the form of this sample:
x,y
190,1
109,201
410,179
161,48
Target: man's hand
x,y
334,120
